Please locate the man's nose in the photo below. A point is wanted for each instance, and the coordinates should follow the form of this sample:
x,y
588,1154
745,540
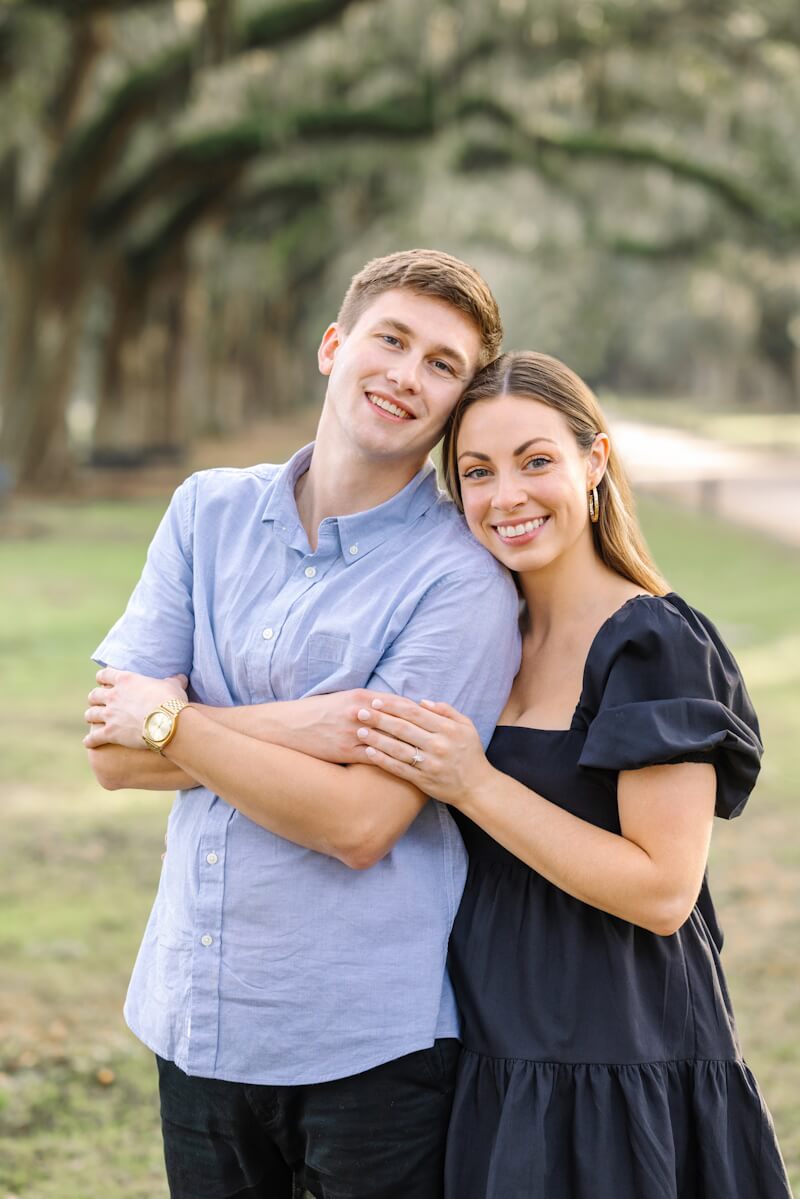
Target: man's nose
x,y
405,373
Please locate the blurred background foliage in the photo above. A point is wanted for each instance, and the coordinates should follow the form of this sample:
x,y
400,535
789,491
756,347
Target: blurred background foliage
x,y
186,187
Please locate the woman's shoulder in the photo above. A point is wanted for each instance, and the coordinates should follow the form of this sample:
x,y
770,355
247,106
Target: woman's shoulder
x,y
661,685
662,629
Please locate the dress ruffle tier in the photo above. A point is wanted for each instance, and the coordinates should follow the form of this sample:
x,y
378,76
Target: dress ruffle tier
x,y
660,1130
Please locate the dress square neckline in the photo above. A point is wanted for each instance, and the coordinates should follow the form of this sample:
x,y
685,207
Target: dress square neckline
x,y
529,728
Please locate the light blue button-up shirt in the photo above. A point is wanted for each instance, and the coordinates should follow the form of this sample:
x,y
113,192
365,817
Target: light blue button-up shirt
x,y
262,961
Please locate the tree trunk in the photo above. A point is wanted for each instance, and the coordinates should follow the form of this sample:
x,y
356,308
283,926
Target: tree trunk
x,y
140,413
41,344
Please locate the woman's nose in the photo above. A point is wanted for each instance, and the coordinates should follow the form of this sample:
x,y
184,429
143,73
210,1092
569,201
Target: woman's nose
x,y
508,494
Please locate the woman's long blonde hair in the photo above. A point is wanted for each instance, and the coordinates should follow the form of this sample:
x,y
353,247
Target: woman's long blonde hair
x,y
617,536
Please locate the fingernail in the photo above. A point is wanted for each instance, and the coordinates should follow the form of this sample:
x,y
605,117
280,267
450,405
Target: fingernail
x,y
363,714
371,751
362,733
377,703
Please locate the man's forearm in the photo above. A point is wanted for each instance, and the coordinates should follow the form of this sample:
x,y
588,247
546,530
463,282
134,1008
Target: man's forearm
x,y
116,767
270,722
354,813
299,724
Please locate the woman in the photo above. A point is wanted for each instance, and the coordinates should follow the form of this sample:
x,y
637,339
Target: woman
x,y
600,1054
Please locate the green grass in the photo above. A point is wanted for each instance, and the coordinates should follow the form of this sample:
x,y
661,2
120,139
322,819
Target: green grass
x,y
80,866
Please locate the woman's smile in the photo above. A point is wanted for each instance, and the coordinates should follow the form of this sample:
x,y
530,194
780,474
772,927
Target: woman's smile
x,y
521,532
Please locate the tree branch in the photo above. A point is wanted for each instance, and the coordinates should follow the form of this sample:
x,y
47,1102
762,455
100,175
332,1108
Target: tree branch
x,y
525,146
397,118
89,155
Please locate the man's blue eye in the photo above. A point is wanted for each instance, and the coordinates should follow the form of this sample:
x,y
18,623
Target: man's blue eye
x,y
395,341
445,365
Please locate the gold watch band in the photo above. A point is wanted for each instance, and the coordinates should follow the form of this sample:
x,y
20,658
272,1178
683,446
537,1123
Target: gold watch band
x,y
171,708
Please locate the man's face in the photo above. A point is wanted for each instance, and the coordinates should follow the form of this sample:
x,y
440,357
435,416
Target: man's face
x,y
395,377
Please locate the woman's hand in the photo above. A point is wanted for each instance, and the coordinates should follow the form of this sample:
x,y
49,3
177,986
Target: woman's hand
x,y
118,706
428,744
323,726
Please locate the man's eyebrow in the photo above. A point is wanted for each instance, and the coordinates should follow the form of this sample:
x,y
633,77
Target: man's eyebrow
x,y
440,351
519,450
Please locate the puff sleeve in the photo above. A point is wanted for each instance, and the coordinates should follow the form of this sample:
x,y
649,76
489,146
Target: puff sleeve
x,y
661,686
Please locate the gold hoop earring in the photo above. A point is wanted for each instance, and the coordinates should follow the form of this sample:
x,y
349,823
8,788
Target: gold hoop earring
x,y
594,506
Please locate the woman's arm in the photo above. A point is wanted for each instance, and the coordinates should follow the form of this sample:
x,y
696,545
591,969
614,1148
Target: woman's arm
x,y
650,876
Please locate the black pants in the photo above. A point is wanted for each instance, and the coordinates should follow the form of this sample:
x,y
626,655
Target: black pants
x,y
376,1135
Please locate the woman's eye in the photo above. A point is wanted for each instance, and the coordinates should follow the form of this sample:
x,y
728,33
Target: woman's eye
x,y
538,461
476,472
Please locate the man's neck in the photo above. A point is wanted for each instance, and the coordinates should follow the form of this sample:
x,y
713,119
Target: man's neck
x,y
333,486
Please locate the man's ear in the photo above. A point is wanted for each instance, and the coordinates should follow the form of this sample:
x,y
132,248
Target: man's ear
x,y
331,340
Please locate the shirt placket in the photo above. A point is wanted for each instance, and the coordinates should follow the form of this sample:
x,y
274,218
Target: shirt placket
x,y
306,575
202,1028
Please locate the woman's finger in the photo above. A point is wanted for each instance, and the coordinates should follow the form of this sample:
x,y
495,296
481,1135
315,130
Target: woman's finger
x,y
401,751
406,709
447,711
401,770
403,730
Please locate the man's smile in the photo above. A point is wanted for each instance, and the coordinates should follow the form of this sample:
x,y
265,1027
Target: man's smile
x,y
391,407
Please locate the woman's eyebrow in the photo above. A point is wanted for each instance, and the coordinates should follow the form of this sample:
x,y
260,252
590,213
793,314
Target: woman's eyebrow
x,y
526,444
519,450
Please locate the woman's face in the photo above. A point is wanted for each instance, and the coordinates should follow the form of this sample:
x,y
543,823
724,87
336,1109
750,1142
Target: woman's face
x,y
524,480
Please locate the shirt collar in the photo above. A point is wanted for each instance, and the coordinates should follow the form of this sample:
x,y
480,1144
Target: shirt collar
x,y
359,532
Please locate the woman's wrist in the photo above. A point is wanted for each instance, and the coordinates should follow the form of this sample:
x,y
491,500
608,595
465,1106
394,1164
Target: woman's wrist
x,y
473,798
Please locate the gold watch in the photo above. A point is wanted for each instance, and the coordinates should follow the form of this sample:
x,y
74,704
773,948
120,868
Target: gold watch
x,y
159,726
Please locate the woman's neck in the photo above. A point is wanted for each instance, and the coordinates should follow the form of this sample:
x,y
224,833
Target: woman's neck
x,y
577,589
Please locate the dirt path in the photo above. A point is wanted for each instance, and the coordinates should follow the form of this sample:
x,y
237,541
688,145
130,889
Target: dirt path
x,y
749,487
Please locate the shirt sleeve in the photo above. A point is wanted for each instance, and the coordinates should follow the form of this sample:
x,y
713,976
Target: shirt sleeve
x,y
155,634
664,688
461,647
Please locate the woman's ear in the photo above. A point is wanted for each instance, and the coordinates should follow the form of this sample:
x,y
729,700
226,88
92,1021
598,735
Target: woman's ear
x,y
597,460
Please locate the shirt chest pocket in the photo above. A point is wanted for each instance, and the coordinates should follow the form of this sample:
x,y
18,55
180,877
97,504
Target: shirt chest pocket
x,y
336,663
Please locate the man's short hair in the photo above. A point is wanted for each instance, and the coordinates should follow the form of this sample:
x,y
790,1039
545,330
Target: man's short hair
x,y
428,273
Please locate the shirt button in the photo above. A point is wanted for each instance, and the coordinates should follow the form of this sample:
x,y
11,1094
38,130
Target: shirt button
x,y
268,634
353,549
206,940
310,572
212,858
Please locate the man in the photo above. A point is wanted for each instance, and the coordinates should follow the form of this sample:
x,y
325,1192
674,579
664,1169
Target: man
x,y
292,976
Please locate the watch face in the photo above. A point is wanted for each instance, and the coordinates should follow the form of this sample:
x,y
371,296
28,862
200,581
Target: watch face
x,y
158,726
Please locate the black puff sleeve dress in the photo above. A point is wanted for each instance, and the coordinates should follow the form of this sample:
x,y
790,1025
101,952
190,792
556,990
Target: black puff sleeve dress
x,y
600,1061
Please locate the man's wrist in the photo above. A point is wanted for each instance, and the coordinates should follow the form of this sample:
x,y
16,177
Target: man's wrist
x,y
160,725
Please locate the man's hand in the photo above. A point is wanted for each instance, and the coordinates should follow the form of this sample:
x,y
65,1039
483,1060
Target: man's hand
x,y
117,707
